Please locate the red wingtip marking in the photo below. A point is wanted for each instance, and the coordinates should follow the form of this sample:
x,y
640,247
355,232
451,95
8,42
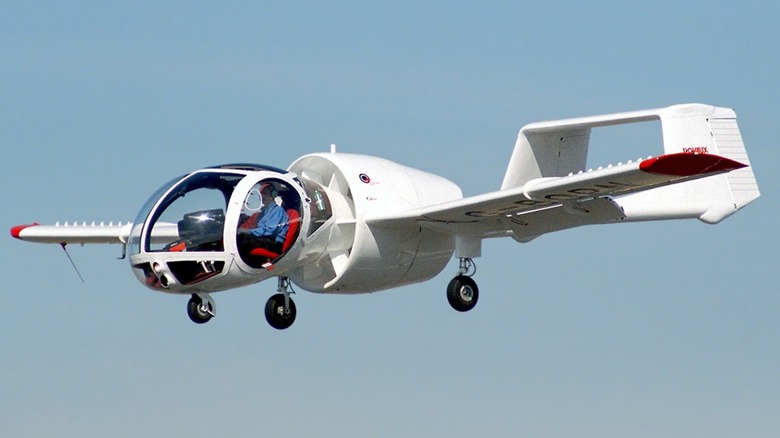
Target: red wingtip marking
x,y
685,164
18,229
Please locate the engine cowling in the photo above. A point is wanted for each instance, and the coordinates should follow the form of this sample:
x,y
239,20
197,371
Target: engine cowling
x,y
346,255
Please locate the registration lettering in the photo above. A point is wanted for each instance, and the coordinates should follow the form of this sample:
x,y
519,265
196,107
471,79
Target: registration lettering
x,y
588,191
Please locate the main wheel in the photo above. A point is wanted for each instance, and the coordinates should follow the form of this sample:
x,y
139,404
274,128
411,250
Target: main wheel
x,y
276,315
462,293
198,311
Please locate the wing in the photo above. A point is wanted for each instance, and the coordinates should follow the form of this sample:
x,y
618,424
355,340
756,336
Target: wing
x,y
87,233
543,205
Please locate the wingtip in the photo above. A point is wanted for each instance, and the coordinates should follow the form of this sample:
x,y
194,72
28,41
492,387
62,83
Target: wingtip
x,y
688,164
15,231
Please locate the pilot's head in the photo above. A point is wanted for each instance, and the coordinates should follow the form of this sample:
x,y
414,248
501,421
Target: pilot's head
x,y
268,193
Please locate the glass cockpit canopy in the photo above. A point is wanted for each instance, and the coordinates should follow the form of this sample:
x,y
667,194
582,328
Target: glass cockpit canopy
x,y
134,240
189,212
194,225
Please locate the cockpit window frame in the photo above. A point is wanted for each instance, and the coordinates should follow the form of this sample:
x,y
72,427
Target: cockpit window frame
x,y
250,167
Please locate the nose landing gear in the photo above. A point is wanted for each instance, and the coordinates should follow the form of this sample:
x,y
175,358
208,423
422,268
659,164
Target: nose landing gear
x,y
462,292
201,308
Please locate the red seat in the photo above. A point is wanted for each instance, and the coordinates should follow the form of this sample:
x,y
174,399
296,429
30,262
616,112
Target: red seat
x,y
293,222
178,247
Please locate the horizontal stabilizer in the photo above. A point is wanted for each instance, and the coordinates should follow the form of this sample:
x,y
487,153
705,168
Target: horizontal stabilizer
x,y
628,178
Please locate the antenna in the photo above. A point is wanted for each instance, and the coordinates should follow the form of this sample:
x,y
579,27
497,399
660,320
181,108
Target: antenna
x,y
62,244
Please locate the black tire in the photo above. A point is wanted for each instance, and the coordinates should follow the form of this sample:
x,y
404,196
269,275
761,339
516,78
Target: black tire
x,y
462,293
196,314
276,315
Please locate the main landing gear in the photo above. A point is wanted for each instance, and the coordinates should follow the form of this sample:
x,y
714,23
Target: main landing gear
x,y
280,309
462,292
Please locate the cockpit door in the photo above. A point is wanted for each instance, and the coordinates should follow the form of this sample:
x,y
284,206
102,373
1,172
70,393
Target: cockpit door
x,y
270,219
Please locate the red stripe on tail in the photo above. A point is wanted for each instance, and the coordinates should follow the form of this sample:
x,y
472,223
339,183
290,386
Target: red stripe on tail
x,y
686,164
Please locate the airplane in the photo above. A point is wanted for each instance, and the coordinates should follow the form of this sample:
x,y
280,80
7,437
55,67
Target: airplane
x,y
357,224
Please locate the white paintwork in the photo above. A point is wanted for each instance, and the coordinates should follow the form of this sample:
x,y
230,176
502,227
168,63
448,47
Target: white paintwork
x,y
554,149
389,225
364,258
84,233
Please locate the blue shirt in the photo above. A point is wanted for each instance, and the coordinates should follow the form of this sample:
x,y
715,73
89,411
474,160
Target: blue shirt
x,y
272,223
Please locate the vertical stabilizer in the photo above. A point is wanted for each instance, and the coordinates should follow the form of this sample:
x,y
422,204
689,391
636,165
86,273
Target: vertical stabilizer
x,y
706,129
558,148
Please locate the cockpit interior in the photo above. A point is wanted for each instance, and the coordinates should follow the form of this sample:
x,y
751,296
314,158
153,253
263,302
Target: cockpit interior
x,y
233,217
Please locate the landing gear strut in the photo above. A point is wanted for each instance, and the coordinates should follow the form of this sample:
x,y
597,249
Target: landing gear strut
x,y
280,309
201,308
462,292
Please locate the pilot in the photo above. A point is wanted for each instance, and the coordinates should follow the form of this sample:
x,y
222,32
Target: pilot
x,y
271,228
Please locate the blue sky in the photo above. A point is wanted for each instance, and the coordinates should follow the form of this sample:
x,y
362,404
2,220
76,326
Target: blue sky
x,y
655,329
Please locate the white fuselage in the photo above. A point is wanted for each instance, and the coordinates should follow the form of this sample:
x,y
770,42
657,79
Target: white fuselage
x,y
185,240
353,257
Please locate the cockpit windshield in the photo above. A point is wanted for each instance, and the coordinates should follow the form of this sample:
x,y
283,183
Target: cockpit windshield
x,y
192,215
134,242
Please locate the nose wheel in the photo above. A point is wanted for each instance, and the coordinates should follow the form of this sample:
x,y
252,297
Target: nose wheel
x,y
462,292
201,309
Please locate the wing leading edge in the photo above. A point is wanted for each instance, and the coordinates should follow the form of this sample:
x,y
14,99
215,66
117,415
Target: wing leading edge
x,y
84,233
